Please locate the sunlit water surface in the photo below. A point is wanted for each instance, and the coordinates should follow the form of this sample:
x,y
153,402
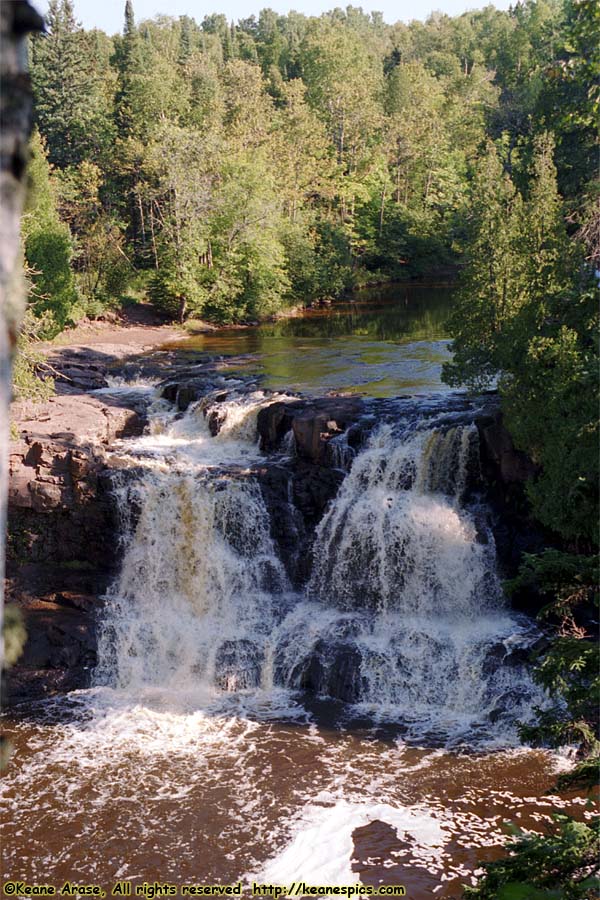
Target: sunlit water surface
x,y
383,342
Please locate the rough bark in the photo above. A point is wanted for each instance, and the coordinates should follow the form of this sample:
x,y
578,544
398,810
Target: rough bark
x,y
17,19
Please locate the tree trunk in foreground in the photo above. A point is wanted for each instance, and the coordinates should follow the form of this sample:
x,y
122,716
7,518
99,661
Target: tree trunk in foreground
x,y
17,19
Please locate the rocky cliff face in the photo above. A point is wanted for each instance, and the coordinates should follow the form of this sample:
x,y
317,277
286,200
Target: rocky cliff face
x,y
61,532
506,471
297,492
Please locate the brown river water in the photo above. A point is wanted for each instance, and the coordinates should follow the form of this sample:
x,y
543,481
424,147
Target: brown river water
x,y
382,342
157,775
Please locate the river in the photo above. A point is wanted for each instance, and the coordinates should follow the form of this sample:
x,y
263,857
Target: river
x,y
383,342
244,724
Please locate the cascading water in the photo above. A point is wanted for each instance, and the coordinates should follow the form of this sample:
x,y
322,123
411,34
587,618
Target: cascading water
x,y
196,756
195,599
425,628
403,612
201,585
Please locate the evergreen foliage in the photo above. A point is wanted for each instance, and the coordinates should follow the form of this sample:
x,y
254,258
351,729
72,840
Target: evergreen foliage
x,y
527,317
356,144
68,75
559,865
563,862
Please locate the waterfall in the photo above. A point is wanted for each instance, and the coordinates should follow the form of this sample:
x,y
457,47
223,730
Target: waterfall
x,y
195,598
200,583
407,612
396,538
403,614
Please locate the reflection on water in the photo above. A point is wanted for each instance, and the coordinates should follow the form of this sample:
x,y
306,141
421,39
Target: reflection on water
x,y
383,342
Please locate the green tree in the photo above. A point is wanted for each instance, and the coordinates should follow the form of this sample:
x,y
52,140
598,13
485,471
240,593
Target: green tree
x,y
562,862
129,67
527,315
248,278
48,245
180,162
70,105
306,170
344,84
493,289
558,865
370,135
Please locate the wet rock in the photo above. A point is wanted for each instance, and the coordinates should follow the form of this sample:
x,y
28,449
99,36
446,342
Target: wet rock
x,y
169,392
62,530
498,453
313,488
504,473
333,669
188,385
215,414
313,423
190,392
60,650
275,421
494,659
80,376
296,495
507,703
501,655
238,665
344,679
183,391
288,527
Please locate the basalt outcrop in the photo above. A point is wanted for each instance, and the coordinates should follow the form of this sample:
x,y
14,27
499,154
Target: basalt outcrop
x,y
505,473
62,541
313,423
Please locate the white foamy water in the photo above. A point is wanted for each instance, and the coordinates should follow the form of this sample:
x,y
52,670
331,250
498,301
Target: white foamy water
x,y
158,785
403,614
117,384
396,537
425,625
195,603
181,440
194,751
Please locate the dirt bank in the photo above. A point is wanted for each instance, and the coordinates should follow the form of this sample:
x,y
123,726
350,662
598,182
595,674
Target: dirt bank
x,y
135,329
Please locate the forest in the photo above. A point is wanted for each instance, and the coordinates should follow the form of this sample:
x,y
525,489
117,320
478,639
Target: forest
x,y
230,172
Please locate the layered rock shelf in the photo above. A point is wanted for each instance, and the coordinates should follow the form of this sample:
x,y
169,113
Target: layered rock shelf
x,y
61,529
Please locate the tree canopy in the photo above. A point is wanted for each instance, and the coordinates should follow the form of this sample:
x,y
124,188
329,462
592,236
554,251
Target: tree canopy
x,y
239,168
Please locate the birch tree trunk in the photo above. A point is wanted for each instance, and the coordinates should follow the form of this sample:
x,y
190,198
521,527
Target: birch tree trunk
x,y
17,19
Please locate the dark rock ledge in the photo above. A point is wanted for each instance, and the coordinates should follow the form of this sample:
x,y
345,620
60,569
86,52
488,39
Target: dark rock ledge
x,y
62,542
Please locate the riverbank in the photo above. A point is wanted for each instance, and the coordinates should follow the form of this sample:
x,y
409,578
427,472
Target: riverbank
x,y
79,359
137,327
